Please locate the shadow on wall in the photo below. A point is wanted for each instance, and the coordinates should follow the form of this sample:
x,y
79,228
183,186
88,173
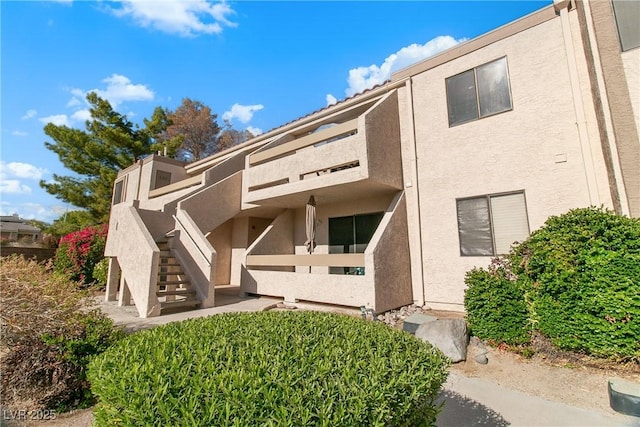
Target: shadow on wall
x,y
459,411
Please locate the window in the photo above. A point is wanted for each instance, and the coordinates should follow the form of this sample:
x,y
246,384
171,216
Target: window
x,y
627,14
117,192
488,225
162,178
480,92
351,234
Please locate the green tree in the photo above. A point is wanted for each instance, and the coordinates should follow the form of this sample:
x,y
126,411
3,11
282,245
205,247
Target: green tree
x,y
110,142
69,222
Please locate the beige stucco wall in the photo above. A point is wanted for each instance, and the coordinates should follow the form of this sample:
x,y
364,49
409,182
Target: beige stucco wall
x,y
215,204
535,147
392,266
155,163
382,128
128,235
221,239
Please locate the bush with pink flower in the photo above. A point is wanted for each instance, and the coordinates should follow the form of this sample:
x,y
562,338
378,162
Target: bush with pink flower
x,y
79,252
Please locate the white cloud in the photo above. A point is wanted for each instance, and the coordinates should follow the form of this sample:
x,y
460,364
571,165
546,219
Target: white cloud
x,y
363,78
29,114
20,170
56,119
32,210
331,99
120,89
185,18
254,131
19,133
244,113
14,186
81,115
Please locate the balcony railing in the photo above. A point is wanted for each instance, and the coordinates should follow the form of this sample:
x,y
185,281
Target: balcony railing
x,y
315,260
334,133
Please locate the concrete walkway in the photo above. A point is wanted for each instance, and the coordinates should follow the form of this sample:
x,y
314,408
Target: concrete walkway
x,y
468,401
227,301
478,402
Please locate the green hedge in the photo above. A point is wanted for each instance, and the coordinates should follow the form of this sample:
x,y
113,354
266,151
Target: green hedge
x,y
579,278
272,369
496,307
584,270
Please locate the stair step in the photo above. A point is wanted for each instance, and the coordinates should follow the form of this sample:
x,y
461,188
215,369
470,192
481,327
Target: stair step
x,y
180,303
171,273
176,292
173,282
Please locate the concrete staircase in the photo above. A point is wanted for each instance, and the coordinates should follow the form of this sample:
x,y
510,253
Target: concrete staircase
x,y
174,291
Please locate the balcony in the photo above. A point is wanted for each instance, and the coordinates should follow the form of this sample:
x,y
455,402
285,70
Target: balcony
x,y
360,154
378,278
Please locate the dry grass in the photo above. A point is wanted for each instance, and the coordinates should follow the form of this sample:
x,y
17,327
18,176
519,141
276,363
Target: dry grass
x,y
47,331
31,297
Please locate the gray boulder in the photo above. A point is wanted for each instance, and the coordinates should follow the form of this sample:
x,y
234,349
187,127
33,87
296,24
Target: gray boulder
x,y
450,336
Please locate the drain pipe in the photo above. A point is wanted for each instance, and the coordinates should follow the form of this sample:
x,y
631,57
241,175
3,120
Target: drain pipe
x,y
413,187
562,7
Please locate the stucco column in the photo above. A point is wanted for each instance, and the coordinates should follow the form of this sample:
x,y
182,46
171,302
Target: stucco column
x,y
111,293
412,198
578,103
125,294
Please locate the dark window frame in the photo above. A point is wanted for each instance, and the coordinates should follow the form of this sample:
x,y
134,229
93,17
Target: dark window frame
x,y
478,106
353,240
119,196
161,175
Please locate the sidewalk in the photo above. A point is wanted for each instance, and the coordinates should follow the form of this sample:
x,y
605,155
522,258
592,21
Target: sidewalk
x,y
478,402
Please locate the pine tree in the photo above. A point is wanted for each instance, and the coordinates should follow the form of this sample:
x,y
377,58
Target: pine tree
x,y
110,143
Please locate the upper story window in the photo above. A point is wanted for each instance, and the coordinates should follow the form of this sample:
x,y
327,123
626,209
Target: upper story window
x,y
627,14
162,178
118,192
480,92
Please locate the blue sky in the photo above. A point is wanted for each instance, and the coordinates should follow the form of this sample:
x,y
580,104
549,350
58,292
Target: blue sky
x,y
259,64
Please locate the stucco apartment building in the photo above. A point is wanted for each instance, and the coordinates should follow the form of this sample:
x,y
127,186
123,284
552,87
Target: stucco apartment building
x,y
414,181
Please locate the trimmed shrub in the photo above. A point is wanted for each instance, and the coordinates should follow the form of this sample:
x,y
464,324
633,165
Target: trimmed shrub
x,y
584,270
578,277
495,304
48,337
269,368
79,252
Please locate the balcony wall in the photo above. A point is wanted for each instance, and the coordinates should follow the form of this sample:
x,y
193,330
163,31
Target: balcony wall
x,y
274,268
358,154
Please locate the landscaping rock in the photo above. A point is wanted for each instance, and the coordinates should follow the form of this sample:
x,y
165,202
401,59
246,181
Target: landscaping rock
x,y
412,322
450,336
481,359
